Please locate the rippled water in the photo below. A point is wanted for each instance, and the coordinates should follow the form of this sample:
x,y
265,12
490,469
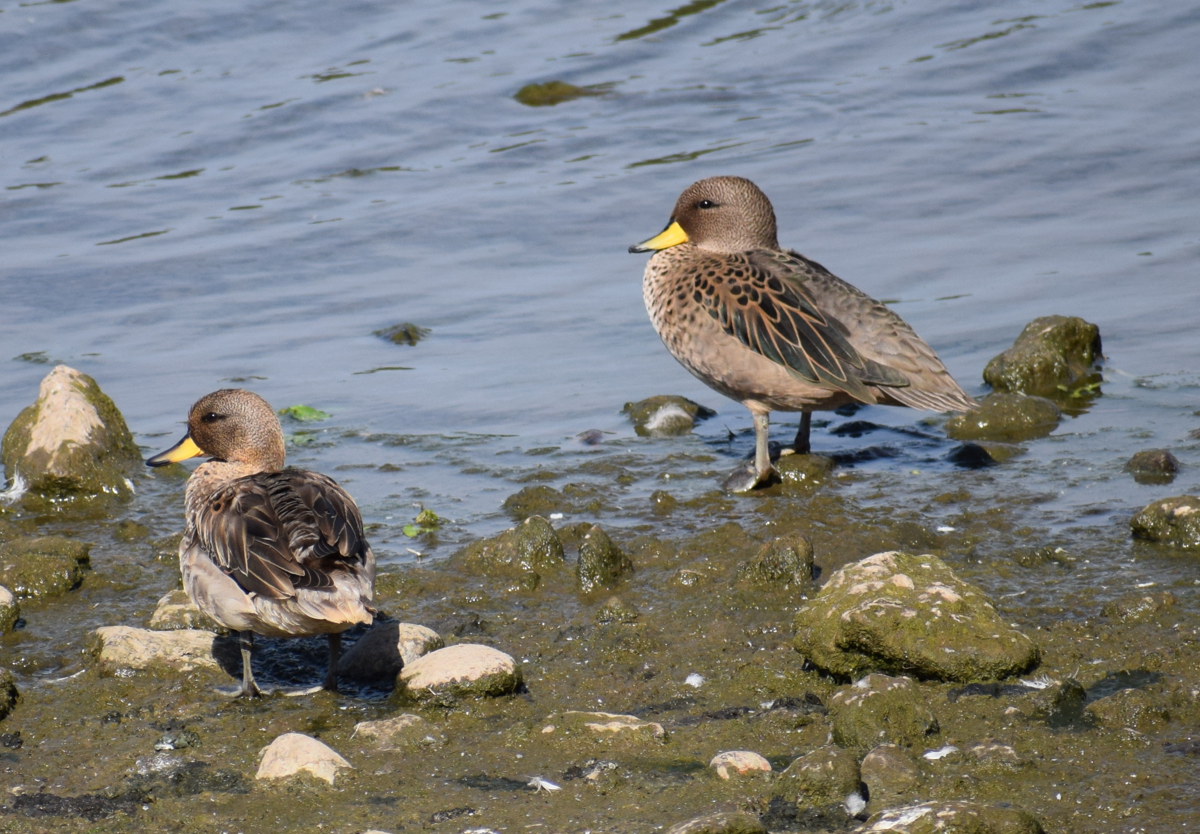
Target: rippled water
x,y
242,193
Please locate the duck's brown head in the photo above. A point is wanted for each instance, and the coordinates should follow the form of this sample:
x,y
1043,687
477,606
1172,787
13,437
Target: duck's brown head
x,y
719,214
230,425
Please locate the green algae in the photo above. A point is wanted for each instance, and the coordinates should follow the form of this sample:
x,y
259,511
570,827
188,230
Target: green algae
x,y
43,566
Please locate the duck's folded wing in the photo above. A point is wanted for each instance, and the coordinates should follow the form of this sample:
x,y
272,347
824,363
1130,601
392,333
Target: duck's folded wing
x,y
322,524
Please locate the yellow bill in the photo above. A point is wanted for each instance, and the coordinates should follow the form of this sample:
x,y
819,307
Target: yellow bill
x,y
182,450
673,235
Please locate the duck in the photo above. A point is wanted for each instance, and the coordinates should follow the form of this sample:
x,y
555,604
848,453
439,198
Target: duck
x,y
775,330
267,550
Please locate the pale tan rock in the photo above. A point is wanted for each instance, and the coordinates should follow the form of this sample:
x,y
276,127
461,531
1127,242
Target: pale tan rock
x,y
176,611
123,647
604,726
386,649
467,669
294,753
738,762
400,732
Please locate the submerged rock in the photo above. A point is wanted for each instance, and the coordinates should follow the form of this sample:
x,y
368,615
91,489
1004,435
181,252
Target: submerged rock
x,y
1153,466
71,442
8,692
946,817
550,93
665,415
786,562
294,753
386,649
43,566
879,709
1174,521
1008,417
733,822
123,647
1054,355
604,726
601,563
405,333
523,553
738,762
400,732
804,470
1138,607
890,774
10,610
175,610
827,775
464,670
903,614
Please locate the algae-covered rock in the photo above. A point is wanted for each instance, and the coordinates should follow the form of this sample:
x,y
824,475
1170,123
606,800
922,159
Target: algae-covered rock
x,y
1153,466
903,614
952,817
71,442
405,333
550,93
385,649
1136,709
1139,607
10,610
1011,417
891,774
825,776
175,611
616,610
524,553
609,727
1174,521
665,415
879,709
730,822
466,670
786,562
538,500
1052,356
8,692
601,563
804,470
983,453
43,566
400,732
123,647
294,753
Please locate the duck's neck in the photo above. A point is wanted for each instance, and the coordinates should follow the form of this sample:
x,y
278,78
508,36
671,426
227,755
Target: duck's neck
x,y
214,474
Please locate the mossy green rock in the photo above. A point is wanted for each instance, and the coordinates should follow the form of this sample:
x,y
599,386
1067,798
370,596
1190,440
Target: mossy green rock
x,y
786,562
951,817
43,566
903,614
665,415
1007,417
550,93
71,442
1174,521
804,470
879,709
825,776
601,563
1054,355
8,692
10,610
524,552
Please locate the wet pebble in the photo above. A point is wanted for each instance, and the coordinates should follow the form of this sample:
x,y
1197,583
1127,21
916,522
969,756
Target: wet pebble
x,y
825,776
294,753
1153,466
464,670
943,817
603,725
10,610
1174,521
722,823
385,649
1054,355
891,774
124,647
880,709
665,415
1011,417
400,732
43,566
738,762
175,610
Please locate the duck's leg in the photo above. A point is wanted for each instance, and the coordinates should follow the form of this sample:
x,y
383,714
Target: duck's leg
x,y
248,689
747,476
335,652
801,445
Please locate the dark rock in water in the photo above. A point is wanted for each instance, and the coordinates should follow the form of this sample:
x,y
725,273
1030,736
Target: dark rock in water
x,y
1153,466
1174,521
826,775
43,566
72,442
903,614
973,455
786,562
663,502
1137,608
665,415
550,93
406,333
890,774
881,709
524,552
1008,417
952,817
804,470
536,500
723,823
1053,356
10,610
8,692
601,563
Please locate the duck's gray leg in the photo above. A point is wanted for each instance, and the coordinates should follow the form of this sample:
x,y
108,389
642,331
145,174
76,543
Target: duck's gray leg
x,y
248,689
747,476
801,445
335,652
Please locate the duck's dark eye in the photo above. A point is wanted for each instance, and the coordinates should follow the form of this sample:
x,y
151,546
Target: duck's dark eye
x,y
706,204
212,417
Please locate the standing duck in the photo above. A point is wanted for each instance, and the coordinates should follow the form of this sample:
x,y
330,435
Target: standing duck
x,y
267,550
772,329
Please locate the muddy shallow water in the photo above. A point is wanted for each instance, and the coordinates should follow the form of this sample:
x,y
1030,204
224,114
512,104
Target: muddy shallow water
x,y
243,194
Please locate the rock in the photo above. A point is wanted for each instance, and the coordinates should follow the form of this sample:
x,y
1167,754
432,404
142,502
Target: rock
x,y
722,823
903,614
550,93
1059,704
786,562
1138,608
947,817
72,441
465,670
43,566
1174,521
983,453
537,500
1007,417
878,710
995,755
177,611
605,726
1135,709
405,333
401,732
665,415
1054,355
385,649
738,762
294,753
10,611
663,502
804,470
122,647
1153,466
890,775
128,530
616,610
8,692
827,775
523,553
601,563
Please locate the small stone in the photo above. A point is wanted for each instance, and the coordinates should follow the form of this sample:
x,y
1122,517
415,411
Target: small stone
x,y
1008,417
8,692
890,774
722,823
177,611
1138,608
616,610
785,562
948,817
804,470
601,563
400,732
879,709
385,649
1053,356
1153,466
665,415
524,553
464,670
123,647
71,442
605,726
10,610
663,502
983,453
405,333
738,762
43,566
1174,521
294,753
825,776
